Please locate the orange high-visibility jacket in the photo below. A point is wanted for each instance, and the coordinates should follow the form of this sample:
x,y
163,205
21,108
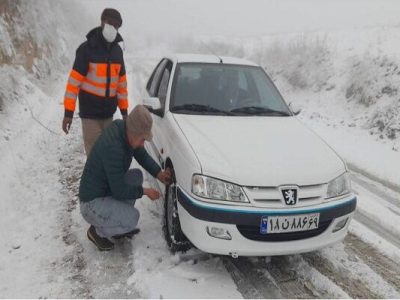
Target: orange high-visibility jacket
x,y
98,77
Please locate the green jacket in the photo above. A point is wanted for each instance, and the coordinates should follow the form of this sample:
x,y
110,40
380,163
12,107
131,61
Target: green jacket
x,y
108,161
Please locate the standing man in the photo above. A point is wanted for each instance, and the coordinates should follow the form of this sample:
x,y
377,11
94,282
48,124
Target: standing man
x,y
99,78
107,195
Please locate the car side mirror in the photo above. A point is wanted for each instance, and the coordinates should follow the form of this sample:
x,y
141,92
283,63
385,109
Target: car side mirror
x,y
295,109
152,102
154,105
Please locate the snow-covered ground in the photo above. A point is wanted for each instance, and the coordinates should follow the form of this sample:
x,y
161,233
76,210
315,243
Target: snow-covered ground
x,y
335,59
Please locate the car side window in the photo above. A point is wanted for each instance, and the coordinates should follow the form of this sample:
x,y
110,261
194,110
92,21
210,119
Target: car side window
x,y
150,81
155,78
162,90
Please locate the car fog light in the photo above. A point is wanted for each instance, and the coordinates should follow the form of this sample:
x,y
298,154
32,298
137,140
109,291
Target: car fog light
x,y
219,233
340,225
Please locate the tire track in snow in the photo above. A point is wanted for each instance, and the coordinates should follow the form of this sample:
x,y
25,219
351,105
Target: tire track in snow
x,y
373,188
290,283
277,278
251,284
372,177
354,287
317,282
390,199
367,221
377,261
281,277
381,264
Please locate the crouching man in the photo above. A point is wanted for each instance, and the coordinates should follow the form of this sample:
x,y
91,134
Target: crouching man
x,y
108,189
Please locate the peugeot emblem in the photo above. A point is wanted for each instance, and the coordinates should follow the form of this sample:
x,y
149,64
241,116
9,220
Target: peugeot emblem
x,y
290,196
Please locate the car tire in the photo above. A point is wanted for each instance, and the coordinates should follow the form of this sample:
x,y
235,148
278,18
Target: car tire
x,y
176,239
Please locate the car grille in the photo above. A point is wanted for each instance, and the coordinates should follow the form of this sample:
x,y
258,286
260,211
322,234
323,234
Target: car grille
x,y
253,233
271,197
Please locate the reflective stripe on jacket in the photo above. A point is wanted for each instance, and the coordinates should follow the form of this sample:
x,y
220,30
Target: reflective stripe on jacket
x,y
98,78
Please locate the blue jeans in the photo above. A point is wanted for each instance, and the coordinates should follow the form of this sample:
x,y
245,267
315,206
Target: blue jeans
x,y
109,216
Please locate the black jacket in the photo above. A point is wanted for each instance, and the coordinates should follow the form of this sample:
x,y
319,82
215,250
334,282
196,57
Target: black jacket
x,y
98,69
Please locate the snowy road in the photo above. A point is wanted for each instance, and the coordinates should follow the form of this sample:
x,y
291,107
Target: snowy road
x,y
49,234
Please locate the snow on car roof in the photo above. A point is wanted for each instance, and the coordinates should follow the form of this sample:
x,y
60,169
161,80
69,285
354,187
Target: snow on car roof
x,y
209,58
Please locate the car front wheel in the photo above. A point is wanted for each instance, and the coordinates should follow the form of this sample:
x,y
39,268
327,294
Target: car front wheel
x,y
176,239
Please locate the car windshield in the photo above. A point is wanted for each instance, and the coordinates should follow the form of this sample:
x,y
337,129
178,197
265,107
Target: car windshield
x,y
222,89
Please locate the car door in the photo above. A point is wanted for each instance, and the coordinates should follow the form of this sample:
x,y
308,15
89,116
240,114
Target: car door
x,y
158,87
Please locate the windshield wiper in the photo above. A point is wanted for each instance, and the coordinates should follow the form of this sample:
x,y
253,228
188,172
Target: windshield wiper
x,y
259,110
200,108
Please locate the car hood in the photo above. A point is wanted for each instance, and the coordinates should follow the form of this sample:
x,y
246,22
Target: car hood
x,y
260,151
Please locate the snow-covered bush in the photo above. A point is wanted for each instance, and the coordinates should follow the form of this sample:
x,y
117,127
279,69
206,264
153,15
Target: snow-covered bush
x,y
386,121
372,78
38,39
374,83
303,63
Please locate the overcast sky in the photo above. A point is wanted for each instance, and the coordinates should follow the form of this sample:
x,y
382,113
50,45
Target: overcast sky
x,y
247,17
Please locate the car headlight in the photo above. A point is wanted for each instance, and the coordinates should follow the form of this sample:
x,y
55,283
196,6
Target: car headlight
x,y
211,188
339,186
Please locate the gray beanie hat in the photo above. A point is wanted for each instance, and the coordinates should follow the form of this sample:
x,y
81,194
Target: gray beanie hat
x,y
139,122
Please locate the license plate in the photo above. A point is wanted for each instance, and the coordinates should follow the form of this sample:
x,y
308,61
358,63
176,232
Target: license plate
x,y
282,224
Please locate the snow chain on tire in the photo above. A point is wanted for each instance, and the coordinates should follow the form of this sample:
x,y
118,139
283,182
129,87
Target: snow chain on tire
x,y
176,239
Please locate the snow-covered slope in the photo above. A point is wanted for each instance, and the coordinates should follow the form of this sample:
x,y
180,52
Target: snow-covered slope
x,y
37,42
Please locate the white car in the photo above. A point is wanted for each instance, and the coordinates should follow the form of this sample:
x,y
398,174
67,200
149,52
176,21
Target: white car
x,y
250,178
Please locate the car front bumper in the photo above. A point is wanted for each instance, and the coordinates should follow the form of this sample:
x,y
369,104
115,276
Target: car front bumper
x,y
243,225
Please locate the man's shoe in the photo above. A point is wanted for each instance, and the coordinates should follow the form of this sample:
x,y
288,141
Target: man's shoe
x,y
103,244
128,235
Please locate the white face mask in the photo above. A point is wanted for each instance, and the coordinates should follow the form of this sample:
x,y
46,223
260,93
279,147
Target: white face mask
x,y
109,33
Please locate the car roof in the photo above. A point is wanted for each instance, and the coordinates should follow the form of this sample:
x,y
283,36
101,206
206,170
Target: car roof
x,y
208,58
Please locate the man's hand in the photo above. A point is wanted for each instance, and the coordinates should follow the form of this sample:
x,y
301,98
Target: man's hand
x,y
151,193
66,124
165,176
